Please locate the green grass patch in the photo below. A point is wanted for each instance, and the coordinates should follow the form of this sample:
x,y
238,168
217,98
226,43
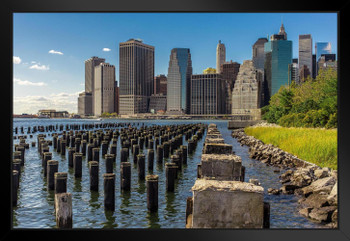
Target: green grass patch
x,y
315,145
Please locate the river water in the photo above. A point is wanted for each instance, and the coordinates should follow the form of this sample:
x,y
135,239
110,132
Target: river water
x,y
35,208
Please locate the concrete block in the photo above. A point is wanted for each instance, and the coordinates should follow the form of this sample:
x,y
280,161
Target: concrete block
x,y
221,166
227,204
217,148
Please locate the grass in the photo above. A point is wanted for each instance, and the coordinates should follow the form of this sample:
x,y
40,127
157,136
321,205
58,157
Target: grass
x,y
315,145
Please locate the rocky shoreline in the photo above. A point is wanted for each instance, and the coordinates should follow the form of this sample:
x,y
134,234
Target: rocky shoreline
x,y
315,187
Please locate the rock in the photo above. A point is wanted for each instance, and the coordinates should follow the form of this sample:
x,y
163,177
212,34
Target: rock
x,y
305,212
318,185
285,177
273,191
288,189
321,173
322,214
335,216
316,201
255,181
333,195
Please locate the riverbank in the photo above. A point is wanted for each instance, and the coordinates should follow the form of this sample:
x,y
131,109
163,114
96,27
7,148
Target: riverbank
x,y
315,187
315,145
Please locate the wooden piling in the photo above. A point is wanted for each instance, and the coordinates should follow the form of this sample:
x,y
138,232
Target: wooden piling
x,y
124,155
96,154
170,172
77,164
141,166
15,185
109,191
47,157
52,167
125,176
64,212
152,192
150,159
109,162
160,153
60,182
93,170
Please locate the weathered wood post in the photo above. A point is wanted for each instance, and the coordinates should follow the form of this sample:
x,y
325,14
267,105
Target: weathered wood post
x,y
135,152
184,154
63,207
60,182
141,166
52,167
124,154
47,157
152,192
71,151
176,159
191,146
104,148
93,170
125,176
166,150
96,154
16,165
109,191
160,153
242,173
83,147
113,150
109,162
170,172
90,146
150,159
266,222
15,185
77,164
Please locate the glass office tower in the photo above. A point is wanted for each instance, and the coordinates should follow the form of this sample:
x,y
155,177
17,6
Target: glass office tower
x,y
178,81
278,56
322,48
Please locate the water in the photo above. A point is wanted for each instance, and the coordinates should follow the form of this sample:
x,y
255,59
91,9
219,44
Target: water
x,y
35,208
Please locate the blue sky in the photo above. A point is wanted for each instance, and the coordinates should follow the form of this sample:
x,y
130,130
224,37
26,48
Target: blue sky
x,y
53,80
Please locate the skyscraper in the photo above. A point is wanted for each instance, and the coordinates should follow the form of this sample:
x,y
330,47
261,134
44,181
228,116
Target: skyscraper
x,y
259,53
84,104
160,84
136,76
246,94
305,52
220,56
321,48
90,81
206,94
278,56
229,72
104,89
178,81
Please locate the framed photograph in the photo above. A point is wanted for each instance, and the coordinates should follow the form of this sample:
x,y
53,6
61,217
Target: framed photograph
x,y
182,120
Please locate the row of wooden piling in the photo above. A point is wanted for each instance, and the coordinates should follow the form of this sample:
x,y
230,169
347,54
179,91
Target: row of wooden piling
x,y
76,144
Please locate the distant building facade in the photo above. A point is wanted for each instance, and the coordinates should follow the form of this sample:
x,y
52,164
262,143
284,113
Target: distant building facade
x,y
53,113
220,56
278,57
104,89
179,81
160,84
327,61
85,104
246,94
206,94
209,70
158,103
259,53
136,76
90,65
116,97
305,53
295,73
229,72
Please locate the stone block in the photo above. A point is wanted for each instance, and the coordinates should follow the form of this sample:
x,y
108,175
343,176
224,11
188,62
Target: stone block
x,y
217,148
227,204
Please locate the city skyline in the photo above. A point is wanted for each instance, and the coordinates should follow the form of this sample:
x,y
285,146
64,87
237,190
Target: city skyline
x,y
49,56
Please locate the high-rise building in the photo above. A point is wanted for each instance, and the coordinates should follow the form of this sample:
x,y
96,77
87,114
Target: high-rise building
x,y
278,56
246,94
321,48
90,65
116,97
157,103
229,72
160,84
84,104
295,72
136,76
206,94
220,56
179,81
209,70
305,52
104,89
259,53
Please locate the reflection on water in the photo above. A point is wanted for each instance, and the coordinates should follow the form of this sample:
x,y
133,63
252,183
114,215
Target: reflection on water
x,y
36,204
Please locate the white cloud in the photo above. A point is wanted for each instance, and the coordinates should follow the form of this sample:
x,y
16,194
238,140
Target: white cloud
x,y
39,67
58,101
28,83
16,60
55,52
106,49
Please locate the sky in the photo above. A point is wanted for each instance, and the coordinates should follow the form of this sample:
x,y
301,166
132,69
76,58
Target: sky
x,y
49,49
